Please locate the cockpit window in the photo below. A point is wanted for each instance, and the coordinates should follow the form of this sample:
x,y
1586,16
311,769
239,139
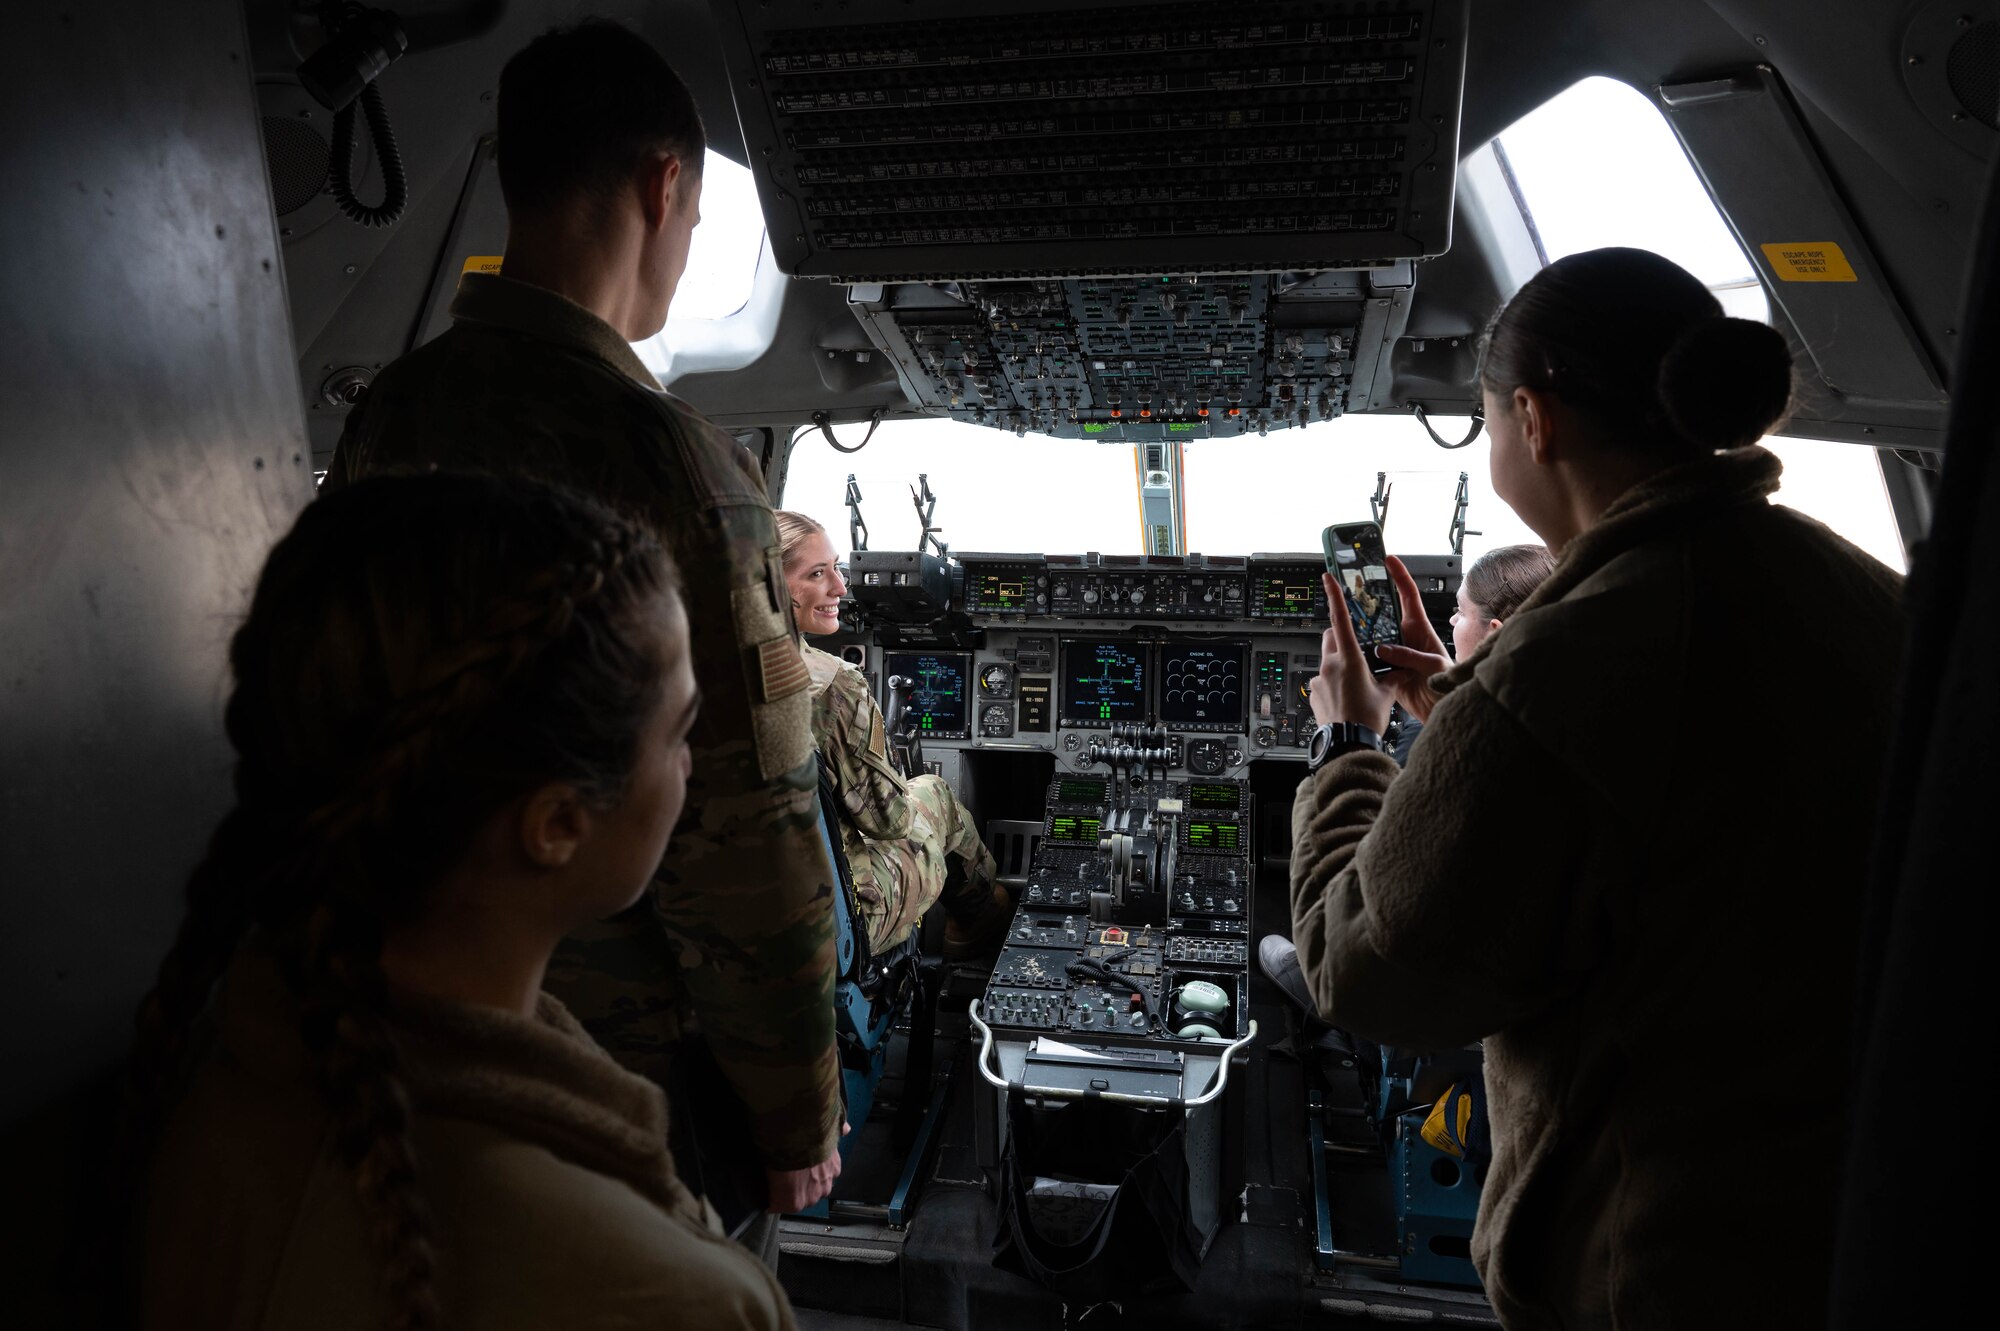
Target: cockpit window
x,y
1841,485
722,260
1276,492
995,491
1598,165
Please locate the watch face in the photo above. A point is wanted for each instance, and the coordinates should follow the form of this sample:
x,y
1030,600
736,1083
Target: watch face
x,y
1317,746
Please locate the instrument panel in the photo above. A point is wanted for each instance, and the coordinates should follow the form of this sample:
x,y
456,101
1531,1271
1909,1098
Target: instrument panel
x,y
1220,702
941,690
1052,652
1134,921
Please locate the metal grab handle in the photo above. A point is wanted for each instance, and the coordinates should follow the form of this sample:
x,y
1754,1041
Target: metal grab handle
x,y
1064,1093
985,1047
1222,1072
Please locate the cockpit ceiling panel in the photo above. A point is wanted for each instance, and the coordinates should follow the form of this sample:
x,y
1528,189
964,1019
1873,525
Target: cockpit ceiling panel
x,y
905,140
1134,359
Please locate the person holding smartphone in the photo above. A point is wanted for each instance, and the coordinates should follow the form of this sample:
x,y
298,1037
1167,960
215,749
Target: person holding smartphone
x,y
1494,587
1578,869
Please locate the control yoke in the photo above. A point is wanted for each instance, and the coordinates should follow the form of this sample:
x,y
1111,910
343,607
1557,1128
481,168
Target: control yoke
x,y
906,746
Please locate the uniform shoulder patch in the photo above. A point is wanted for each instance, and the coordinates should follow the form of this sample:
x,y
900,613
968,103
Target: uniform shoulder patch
x,y
781,671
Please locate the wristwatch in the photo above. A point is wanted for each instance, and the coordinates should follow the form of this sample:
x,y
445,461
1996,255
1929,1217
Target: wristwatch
x,y
1330,741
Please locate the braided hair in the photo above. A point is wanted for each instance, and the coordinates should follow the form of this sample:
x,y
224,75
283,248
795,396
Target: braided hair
x,y
420,651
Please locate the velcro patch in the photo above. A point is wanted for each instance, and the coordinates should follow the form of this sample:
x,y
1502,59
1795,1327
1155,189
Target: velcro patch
x,y
781,670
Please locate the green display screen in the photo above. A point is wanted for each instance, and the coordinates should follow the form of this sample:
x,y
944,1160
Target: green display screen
x,y
1287,595
1205,796
1103,682
1064,827
1214,836
1081,790
1005,590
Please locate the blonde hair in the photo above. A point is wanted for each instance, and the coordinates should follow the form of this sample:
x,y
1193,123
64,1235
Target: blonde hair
x,y
794,530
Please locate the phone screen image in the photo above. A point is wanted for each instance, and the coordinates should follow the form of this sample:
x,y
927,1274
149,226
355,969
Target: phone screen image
x,y
1355,556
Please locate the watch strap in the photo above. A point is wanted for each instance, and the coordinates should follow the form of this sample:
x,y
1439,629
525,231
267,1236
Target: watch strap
x,y
1336,738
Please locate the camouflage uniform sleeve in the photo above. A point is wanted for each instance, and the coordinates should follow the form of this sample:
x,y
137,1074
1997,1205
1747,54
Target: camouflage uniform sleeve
x,y
857,747
746,893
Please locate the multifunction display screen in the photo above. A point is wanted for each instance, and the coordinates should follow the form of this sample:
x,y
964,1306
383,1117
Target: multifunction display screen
x,y
1069,828
1284,591
999,588
1214,836
938,689
1082,790
1202,686
1214,795
1103,682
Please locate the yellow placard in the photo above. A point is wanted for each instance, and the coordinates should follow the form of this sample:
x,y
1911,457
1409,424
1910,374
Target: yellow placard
x,y
482,263
1809,261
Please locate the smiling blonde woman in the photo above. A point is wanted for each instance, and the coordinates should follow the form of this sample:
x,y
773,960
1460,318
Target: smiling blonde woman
x,y
909,842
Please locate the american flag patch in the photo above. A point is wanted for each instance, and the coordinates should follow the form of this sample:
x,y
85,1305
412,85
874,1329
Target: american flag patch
x,y
781,670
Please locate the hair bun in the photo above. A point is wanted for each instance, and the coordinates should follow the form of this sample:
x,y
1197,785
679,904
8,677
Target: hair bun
x,y
1726,382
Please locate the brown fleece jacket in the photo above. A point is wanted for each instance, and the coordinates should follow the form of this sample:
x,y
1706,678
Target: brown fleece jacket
x,y
552,1197
1628,852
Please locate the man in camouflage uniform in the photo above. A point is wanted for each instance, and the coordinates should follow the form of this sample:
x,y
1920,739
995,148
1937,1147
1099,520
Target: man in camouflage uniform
x,y
909,842
600,153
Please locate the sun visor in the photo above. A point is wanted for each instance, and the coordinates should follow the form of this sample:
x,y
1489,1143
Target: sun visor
x,y
910,140
1745,140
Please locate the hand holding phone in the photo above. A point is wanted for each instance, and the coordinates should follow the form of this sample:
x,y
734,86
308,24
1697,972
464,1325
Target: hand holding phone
x,y
1356,559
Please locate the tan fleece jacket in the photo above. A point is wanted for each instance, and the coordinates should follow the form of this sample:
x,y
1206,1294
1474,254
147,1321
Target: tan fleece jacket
x,y
553,1200
1628,852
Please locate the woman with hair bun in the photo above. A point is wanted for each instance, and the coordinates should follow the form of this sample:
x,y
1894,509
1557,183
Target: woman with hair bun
x,y
1652,924
460,713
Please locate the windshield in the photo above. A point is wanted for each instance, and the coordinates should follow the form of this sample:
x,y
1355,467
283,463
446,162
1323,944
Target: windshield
x,y
995,491
1039,495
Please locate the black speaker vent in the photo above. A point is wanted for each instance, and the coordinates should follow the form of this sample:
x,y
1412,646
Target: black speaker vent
x,y
1973,70
297,159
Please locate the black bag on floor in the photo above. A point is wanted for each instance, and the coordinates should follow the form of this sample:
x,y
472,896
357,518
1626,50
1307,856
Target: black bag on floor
x,y
1094,1199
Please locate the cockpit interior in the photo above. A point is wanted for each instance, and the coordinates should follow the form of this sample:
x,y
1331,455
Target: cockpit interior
x,y
1073,323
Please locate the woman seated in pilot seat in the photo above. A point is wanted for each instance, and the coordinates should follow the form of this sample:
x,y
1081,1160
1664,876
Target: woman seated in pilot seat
x,y
909,842
460,714
1585,866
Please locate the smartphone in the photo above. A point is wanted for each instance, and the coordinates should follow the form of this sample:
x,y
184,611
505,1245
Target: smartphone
x,y
1355,557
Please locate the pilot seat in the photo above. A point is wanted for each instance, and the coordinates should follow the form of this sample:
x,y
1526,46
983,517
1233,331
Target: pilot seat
x,y
870,992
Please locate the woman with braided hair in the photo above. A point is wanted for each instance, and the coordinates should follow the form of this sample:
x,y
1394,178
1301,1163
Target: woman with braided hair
x,y
909,843
461,711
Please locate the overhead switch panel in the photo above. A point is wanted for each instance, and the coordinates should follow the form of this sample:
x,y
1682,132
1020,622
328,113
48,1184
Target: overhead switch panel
x,y
903,140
